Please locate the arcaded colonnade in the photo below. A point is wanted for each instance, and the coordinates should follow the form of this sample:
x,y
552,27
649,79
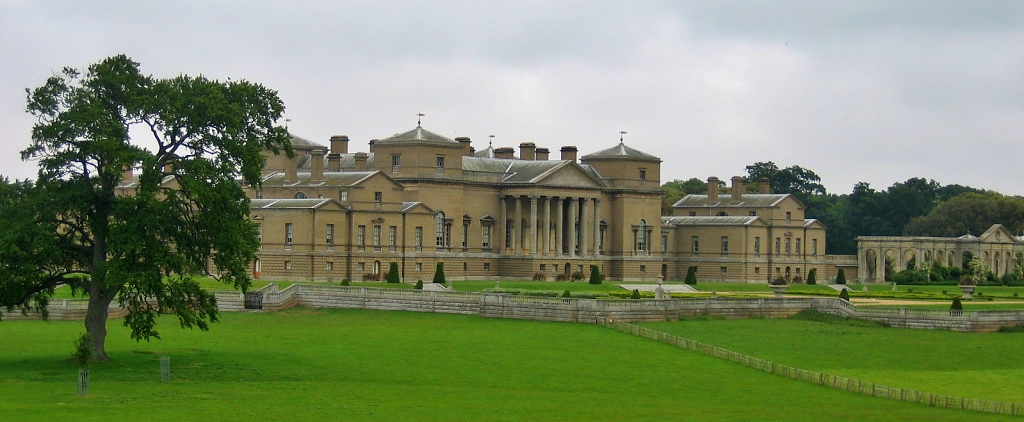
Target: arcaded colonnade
x,y
997,248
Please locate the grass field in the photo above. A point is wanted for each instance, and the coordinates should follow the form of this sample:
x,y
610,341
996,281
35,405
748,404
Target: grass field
x,y
305,364
971,365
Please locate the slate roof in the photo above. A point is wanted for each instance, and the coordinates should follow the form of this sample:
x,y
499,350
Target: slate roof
x,y
746,200
305,144
522,171
485,153
708,221
331,178
621,152
419,135
287,203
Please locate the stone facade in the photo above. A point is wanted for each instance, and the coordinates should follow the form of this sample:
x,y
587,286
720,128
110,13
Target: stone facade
x,y
418,198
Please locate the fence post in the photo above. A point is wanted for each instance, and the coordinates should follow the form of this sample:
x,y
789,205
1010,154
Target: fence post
x,y
165,368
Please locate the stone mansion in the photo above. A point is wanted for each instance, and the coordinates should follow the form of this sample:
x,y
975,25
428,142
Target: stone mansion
x,y
418,198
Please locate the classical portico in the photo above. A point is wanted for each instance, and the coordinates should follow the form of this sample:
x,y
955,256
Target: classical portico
x,y
543,225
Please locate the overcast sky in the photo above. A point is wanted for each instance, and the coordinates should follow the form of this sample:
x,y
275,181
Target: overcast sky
x,y
853,90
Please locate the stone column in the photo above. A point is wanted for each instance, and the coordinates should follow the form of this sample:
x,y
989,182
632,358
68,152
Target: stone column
x,y
546,244
533,225
597,226
559,218
502,225
584,239
574,213
517,223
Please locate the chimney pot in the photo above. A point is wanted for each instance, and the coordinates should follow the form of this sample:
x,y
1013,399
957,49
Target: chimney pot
x,y
712,189
527,151
316,166
765,185
738,189
361,158
569,153
339,144
467,149
542,154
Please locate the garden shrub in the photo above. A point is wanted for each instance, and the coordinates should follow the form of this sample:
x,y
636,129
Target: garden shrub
x,y
956,306
439,273
636,294
539,276
811,275
595,274
345,282
841,278
691,276
393,273
566,294
562,277
419,285
577,275
844,295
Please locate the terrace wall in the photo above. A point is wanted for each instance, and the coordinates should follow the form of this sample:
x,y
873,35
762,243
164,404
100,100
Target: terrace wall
x,y
593,311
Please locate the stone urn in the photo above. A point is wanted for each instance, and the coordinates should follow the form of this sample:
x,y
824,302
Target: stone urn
x,y
968,290
779,289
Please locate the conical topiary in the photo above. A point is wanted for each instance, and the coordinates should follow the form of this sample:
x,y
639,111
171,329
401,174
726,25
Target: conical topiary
x,y
956,306
841,278
636,294
595,275
844,295
811,276
566,294
419,285
691,275
393,273
439,273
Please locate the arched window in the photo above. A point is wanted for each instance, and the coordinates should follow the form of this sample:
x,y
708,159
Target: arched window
x,y
641,235
439,228
300,195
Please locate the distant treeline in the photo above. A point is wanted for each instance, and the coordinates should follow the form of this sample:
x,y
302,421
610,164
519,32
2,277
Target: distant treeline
x,y
916,207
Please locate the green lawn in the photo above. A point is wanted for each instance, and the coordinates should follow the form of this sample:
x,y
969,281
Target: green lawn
x,y
971,365
305,364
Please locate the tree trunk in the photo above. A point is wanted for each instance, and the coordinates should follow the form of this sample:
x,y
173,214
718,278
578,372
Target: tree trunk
x,y
96,324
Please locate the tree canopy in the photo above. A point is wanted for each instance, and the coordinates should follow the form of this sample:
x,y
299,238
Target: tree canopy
x,y
88,224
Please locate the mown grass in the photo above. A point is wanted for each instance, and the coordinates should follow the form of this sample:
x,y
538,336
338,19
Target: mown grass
x,y
971,365
306,364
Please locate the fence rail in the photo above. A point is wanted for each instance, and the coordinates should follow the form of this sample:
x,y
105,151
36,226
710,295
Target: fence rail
x,y
820,378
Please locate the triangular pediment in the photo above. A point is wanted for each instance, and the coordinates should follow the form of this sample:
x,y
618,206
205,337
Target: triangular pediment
x,y
568,176
997,234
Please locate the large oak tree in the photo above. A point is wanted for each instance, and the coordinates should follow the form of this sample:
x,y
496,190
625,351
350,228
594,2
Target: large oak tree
x,y
84,224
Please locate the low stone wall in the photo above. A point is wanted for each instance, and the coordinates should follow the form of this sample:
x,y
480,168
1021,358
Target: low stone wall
x,y
66,310
592,311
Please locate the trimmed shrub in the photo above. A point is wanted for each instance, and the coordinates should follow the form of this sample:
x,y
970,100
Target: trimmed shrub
x,y
595,274
539,276
841,278
636,294
439,273
566,294
811,276
345,282
393,273
844,295
691,276
419,285
956,306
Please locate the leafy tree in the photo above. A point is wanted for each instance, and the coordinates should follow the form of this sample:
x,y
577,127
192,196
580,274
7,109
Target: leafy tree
x,y
969,213
187,213
393,273
841,277
796,180
677,189
439,273
595,275
84,351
